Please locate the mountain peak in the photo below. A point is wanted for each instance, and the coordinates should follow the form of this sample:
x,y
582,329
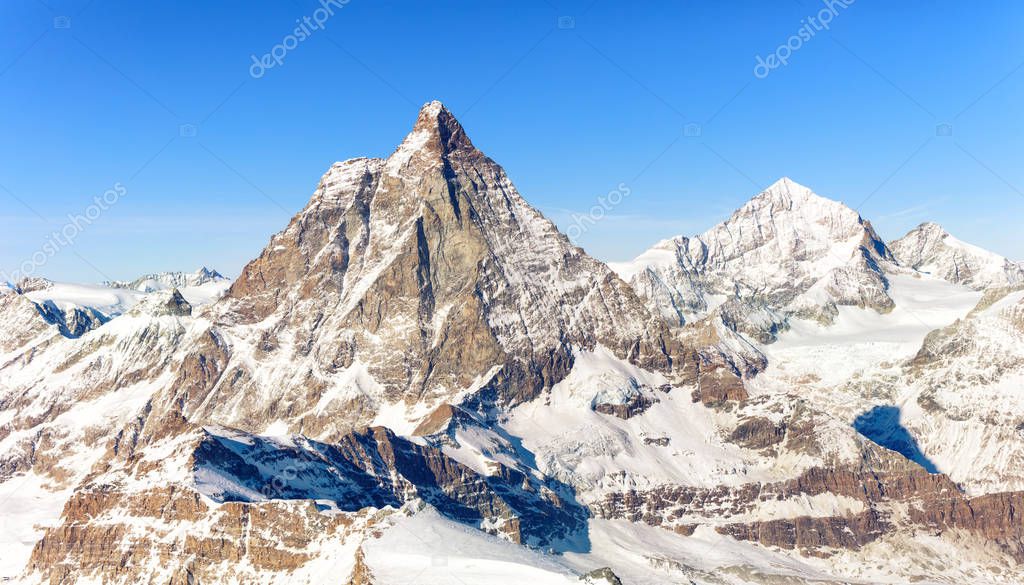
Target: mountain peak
x,y
168,280
436,136
931,249
787,190
930,227
437,129
208,273
778,246
784,184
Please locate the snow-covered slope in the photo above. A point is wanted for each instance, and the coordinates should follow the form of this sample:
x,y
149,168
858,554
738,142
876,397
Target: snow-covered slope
x,y
940,377
931,249
108,301
63,399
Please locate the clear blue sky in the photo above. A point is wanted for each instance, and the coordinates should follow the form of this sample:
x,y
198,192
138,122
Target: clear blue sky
x,y
98,100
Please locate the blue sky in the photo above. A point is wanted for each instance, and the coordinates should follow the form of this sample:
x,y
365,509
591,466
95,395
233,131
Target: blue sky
x,y
94,96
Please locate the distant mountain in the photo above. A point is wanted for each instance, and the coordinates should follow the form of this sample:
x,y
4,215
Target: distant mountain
x,y
931,249
785,252
169,280
76,309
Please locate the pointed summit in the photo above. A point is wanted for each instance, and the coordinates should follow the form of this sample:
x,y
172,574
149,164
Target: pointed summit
x,y
929,229
787,186
436,131
787,248
788,193
435,137
434,117
207,274
790,213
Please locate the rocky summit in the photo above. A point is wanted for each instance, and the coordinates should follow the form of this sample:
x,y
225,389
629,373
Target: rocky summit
x,y
421,380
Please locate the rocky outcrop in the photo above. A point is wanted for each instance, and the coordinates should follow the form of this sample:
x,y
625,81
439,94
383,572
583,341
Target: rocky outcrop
x,y
719,386
811,534
933,503
168,303
603,576
361,573
758,433
631,406
23,322
74,321
244,542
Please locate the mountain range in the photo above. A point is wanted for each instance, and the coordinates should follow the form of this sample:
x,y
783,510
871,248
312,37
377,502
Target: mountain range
x,y
421,380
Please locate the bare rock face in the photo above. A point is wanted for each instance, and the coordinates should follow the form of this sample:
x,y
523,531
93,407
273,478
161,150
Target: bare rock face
x,y
758,433
882,495
632,406
240,542
717,387
361,573
811,534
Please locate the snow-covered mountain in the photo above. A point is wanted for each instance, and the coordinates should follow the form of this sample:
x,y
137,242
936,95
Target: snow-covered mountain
x,y
931,249
421,380
75,309
169,280
785,252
